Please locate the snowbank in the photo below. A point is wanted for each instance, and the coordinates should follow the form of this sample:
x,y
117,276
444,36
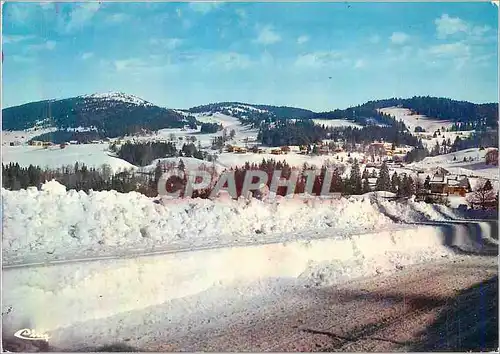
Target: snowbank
x,y
413,212
58,224
55,224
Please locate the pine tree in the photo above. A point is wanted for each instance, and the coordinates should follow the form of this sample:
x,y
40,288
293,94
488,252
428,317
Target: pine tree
x,y
427,183
435,150
411,187
365,174
337,185
355,178
383,180
407,187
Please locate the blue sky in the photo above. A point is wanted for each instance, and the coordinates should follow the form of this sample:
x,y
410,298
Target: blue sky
x,y
319,56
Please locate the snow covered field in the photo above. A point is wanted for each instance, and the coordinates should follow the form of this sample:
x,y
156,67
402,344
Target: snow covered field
x,y
94,155
336,123
474,169
412,121
22,136
228,122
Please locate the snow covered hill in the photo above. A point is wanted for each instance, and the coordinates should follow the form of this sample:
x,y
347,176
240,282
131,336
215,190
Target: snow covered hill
x,y
245,110
91,155
414,120
107,114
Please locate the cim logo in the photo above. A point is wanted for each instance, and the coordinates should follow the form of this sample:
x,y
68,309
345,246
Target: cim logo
x,y
30,334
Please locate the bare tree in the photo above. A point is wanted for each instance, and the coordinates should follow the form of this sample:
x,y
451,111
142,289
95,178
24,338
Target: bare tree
x,y
483,194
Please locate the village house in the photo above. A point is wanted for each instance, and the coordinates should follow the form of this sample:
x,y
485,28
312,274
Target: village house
x,y
437,184
491,157
35,143
285,149
239,150
324,150
457,185
444,183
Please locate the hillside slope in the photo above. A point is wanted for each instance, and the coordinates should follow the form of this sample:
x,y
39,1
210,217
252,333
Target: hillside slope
x,y
110,114
473,115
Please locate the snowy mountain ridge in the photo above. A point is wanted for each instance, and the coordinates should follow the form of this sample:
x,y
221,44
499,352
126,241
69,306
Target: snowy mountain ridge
x,y
118,96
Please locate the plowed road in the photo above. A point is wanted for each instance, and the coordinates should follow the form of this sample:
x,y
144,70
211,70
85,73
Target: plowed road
x,y
442,306
449,305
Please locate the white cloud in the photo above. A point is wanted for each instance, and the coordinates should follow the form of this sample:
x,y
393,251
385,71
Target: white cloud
x,y
129,64
484,58
7,39
204,7
446,26
47,45
87,55
20,59
231,60
138,67
320,59
458,53
117,18
360,63
18,12
46,5
267,36
401,53
399,37
168,43
302,39
241,13
457,49
375,39
81,15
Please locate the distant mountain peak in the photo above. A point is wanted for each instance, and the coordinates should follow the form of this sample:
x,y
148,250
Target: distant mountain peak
x,y
119,96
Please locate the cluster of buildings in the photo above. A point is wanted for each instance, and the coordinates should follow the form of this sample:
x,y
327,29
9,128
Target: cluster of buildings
x,y
445,183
